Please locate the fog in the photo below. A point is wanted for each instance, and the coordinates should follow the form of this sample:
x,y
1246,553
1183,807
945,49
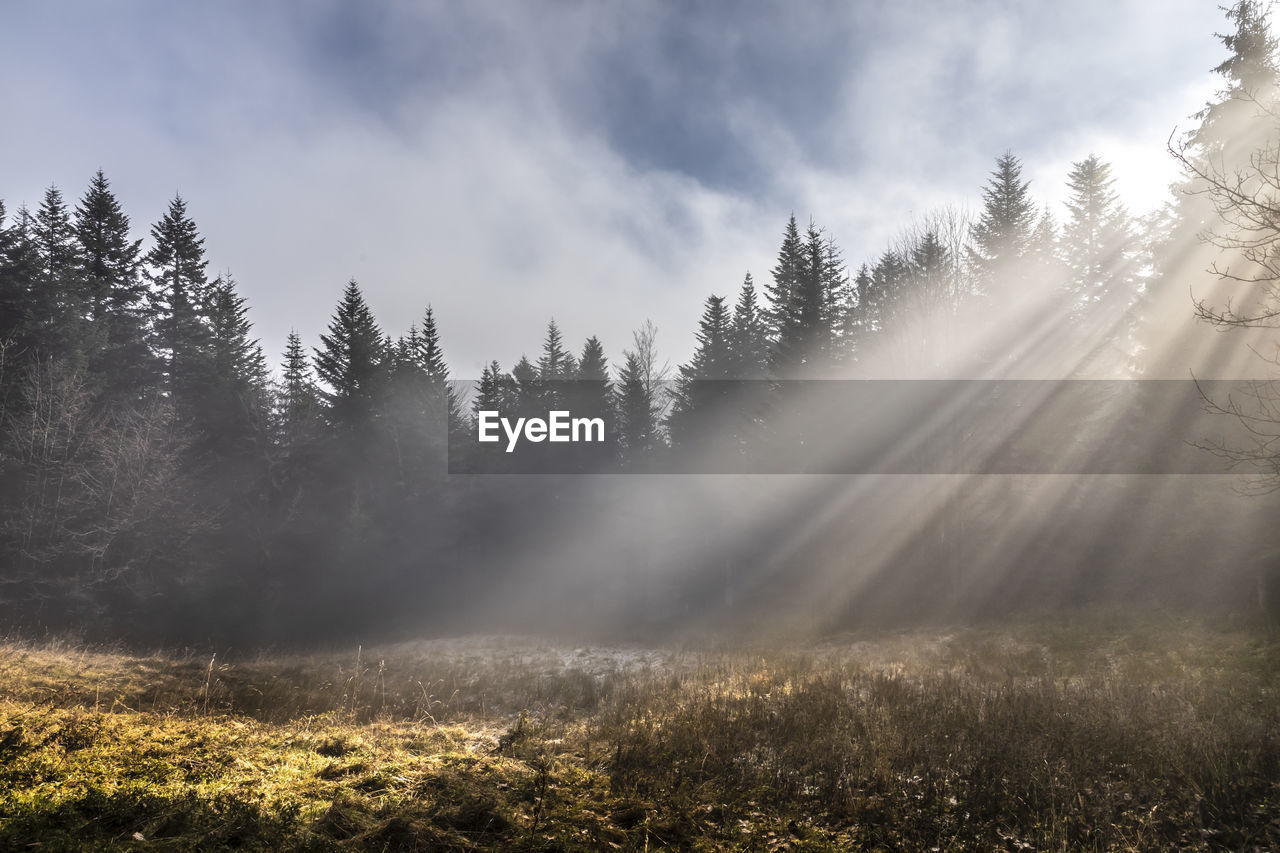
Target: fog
x,y
1021,398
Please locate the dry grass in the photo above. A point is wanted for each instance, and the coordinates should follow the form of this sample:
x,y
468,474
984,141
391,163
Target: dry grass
x,y
1103,733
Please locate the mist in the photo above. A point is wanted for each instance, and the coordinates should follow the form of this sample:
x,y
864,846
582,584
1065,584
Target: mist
x,y
675,428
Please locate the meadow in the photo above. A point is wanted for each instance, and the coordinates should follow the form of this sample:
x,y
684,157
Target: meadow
x,y
1097,731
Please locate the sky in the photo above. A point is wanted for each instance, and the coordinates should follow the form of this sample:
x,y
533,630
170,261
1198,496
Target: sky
x,y
600,163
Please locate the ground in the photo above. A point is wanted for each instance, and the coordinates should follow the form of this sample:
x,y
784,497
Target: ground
x,y
1096,731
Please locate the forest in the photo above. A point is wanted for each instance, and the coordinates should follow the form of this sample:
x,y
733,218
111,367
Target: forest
x,y
967,544
165,480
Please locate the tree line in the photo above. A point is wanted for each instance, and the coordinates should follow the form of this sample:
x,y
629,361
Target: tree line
x,y
158,477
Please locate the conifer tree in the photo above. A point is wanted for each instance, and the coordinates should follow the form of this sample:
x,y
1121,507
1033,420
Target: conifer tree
x,y
805,339
786,278
57,326
178,273
638,410
1002,233
1229,125
855,317
1096,242
748,335
116,294
298,401
531,399
17,269
695,400
235,357
351,362
593,392
495,392
1228,166
430,358
556,361
230,389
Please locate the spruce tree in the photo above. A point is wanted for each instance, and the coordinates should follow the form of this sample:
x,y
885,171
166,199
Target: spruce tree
x,y
430,358
1229,126
786,278
116,294
1002,233
495,392
531,393
697,400
351,362
748,335
1100,257
231,405
16,274
1229,163
235,357
805,339
556,362
298,400
177,269
57,309
592,390
637,411
855,316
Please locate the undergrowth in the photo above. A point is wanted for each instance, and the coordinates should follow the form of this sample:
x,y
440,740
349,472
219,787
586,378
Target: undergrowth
x,y
1153,734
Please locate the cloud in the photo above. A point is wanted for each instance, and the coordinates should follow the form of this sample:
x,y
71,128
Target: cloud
x,y
601,164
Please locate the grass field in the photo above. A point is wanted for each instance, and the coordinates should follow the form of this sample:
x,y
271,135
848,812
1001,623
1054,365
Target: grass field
x,y
1090,732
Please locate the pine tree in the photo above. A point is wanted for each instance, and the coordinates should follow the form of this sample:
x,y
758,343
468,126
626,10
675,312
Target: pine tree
x,y
231,386
235,357
805,340
110,259
1096,241
430,355
57,315
351,362
17,273
697,400
430,358
638,410
593,392
855,316
15,281
495,392
298,401
116,294
1099,255
1229,126
556,362
786,279
1228,162
1218,237
837,290
532,397
748,335
1003,231
177,271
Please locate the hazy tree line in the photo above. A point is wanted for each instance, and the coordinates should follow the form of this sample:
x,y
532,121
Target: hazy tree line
x,y
159,478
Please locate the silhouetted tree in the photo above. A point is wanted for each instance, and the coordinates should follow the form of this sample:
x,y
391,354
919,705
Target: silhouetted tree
x,y
1003,231
116,294
298,401
748,335
351,362
177,270
786,279
57,326
694,399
